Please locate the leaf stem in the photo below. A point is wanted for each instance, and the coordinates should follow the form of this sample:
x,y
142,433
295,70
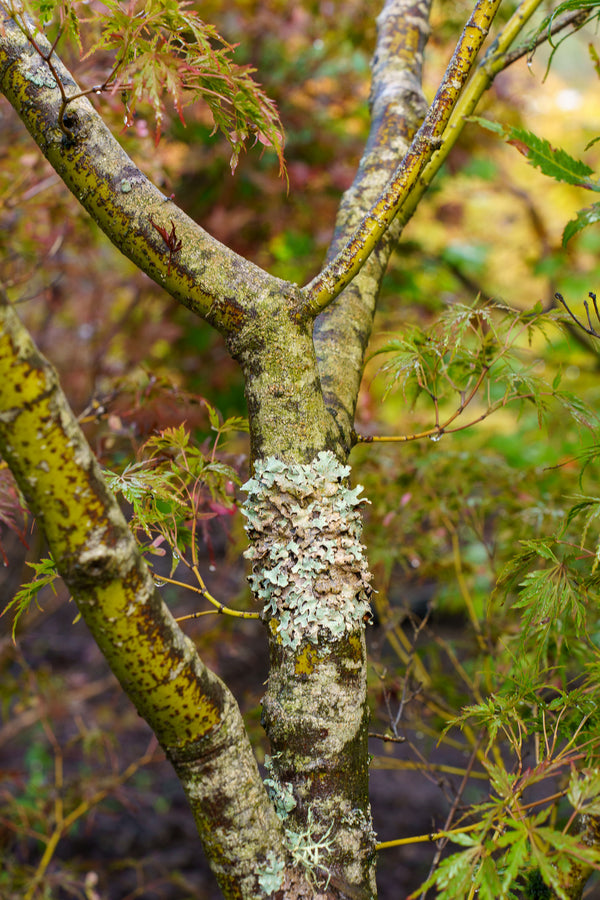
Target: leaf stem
x,y
225,610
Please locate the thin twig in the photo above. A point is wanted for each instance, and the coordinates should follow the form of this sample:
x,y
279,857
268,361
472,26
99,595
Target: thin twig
x,y
202,590
436,433
577,18
430,838
591,330
389,738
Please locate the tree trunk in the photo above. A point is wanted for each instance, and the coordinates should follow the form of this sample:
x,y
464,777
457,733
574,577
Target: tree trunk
x,y
310,831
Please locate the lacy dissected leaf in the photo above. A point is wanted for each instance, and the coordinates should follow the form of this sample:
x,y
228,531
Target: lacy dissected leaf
x,y
496,714
175,486
523,383
505,850
553,596
163,49
588,216
471,351
455,876
489,867
552,161
584,791
45,574
186,462
580,411
549,594
150,491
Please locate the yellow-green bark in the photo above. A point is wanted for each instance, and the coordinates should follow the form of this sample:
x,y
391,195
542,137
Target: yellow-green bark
x,y
329,283
192,713
204,275
397,104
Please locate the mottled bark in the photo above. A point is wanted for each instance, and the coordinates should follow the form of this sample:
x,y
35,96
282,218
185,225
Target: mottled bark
x,y
397,107
206,276
310,574
287,416
192,713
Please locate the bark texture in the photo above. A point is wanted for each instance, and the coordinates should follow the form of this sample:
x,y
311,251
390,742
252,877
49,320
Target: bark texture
x,y
205,275
397,107
192,713
310,573
287,414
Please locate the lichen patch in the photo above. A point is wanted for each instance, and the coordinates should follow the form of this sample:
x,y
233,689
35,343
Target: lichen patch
x,y
308,565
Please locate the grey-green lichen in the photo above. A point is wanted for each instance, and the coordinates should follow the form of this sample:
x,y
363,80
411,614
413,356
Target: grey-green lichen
x,y
270,874
41,77
281,793
311,852
308,565
305,848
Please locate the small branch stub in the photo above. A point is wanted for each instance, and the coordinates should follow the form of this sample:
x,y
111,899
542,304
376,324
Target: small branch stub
x,y
308,565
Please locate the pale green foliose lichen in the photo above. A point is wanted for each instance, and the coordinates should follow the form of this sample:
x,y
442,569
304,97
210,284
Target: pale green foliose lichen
x,y
280,793
308,565
42,77
270,874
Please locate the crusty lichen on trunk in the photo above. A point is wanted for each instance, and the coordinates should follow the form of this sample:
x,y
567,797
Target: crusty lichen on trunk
x,y
310,573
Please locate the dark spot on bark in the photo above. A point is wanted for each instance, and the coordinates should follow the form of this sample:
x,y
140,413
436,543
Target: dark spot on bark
x,y
70,119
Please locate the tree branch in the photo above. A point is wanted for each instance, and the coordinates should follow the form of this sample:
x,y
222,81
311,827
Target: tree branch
x,y
397,105
577,19
493,63
341,270
191,711
342,331
202,274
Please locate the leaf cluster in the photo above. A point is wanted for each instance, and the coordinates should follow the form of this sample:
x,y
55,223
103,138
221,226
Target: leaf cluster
x,y
471,353
162,49
45,574
516,839
505,853
556,586
546,703
175,485
171,488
